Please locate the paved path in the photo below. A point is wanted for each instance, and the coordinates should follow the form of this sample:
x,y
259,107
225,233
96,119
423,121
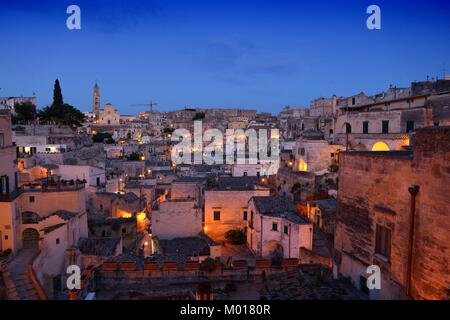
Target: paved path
x,y
18,284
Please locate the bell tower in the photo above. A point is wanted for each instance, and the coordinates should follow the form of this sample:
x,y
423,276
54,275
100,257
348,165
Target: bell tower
x,y
96,100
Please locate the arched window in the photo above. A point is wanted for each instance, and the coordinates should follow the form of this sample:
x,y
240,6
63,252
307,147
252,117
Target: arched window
x,y
348,128
380,146
29,217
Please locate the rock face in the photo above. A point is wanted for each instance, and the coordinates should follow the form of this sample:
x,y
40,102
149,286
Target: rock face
x,y
374,191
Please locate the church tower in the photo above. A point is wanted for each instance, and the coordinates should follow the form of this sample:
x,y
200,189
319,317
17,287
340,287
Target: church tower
x,y
96,100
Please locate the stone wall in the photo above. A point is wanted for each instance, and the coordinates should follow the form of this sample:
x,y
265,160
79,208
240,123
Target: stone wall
x,y
373,189
231,205
176,219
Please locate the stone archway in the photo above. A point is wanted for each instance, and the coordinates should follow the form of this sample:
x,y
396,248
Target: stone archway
x,y
30,239
346,128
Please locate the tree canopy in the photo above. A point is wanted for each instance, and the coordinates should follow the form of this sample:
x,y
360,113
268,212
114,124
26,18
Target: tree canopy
x,y
104,137
60,112
24,112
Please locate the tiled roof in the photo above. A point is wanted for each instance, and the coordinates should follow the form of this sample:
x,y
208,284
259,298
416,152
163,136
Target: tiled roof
x,y
65,215
279,207
327,205
52,228
236,183
98,246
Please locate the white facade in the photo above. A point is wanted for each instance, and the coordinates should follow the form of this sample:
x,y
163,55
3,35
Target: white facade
x,y
267,233
109,115
93,175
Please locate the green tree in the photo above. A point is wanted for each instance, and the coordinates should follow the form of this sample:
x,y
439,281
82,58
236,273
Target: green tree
x,y
57,95
134,156
104,137
60,112
24,112
235,236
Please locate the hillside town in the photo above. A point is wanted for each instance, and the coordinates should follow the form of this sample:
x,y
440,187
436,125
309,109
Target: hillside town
x,y
359,181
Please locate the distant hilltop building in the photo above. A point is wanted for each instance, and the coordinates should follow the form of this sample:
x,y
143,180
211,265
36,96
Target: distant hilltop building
x,y
96,100
106,116
7,103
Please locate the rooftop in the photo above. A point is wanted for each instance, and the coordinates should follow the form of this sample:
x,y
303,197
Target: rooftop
x,y
98,246
392,154
189,179
327,205
52,228
279,207
236,184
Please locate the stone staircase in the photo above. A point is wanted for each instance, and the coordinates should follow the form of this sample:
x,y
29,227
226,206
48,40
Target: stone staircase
x,y
16,277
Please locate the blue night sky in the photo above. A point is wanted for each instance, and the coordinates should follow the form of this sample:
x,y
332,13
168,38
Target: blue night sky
x,y
250,54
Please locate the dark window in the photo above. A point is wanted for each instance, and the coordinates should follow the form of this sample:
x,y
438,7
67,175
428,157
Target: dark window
x,y
216,215
98,181
57,240
258,173
366,127
436,124
124,230
245,173
385,126
4,184
103,233
353,101
274,226
286,229
302,151
409,126
348,128
101,207
31,198
383,241
245,215
331,131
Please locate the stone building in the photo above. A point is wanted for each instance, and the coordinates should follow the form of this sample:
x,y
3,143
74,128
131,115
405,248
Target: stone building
x,y
108,115
115,205
393,211
314,154
192,188
96,101
274,226
39,221
322,213
180,218
226,204
386,121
